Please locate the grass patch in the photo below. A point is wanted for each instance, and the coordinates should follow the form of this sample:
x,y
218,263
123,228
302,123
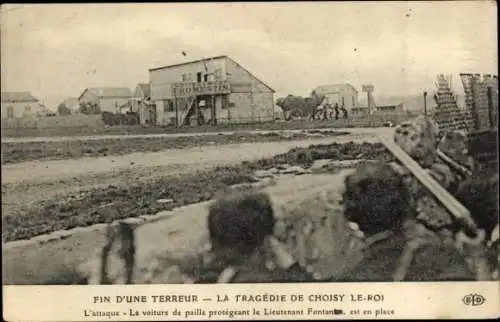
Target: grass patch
x,y
119,202
59,150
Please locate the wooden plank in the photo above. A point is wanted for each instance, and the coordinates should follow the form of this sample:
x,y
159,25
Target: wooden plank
x,y
447,200
451,163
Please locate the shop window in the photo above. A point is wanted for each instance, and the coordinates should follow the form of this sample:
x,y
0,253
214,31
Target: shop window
x,y
168,106
10,112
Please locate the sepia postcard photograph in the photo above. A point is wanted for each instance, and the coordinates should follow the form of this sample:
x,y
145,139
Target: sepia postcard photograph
x,y
250,160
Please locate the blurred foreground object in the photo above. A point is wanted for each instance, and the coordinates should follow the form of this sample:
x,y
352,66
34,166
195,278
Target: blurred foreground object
x,y
418,137
115,262
458,211
377,199
318,235
241,228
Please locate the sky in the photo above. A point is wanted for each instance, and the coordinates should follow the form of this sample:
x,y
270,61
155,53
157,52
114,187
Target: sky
x,y
56,51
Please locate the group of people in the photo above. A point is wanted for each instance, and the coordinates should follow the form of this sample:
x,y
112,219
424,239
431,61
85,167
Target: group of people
x,y
327,112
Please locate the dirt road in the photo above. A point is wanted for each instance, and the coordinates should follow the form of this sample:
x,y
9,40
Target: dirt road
x,y
25,185
171,160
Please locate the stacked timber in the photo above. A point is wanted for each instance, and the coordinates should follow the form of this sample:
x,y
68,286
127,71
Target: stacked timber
x,y
481,98
448,115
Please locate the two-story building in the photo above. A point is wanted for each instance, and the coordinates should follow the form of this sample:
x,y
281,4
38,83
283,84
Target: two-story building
x,y
209,91
21,104
108,99
342,94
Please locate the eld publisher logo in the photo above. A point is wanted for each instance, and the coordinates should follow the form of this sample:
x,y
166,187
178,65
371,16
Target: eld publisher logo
x,y
474,299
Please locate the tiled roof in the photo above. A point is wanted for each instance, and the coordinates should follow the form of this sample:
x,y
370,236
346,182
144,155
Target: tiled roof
x,y
70,102
13,97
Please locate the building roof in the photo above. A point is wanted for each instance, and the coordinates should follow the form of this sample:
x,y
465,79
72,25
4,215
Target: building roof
x,y
109,92
70,102
385,106
212,58
270,88
332,88
13,97
145,89
187,63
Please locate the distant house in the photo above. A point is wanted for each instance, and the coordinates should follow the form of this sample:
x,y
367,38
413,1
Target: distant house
x,y
359,111
141,93
212,90
108,99
21,104
141,103
341,94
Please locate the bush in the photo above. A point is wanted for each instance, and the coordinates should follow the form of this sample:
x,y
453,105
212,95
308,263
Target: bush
x,y
89,108
62,109
111,119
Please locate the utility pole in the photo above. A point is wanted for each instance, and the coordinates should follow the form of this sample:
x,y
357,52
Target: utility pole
x,y
368,89
425,104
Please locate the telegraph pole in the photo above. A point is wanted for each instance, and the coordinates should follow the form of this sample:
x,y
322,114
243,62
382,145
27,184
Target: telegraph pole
x,y
425,104
368,89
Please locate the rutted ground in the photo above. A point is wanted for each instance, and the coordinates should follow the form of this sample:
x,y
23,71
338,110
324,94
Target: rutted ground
x,y
28,183
31,189
130,199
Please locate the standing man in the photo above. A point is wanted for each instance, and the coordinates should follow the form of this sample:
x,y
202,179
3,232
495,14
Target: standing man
x,y
344,111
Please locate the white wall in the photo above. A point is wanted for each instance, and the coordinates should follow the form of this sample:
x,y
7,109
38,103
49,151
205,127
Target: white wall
x,y
21,109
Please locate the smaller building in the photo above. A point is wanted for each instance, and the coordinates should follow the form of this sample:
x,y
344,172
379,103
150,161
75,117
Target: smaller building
x,y
141,103
21,104
342,94
108,99
359,111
